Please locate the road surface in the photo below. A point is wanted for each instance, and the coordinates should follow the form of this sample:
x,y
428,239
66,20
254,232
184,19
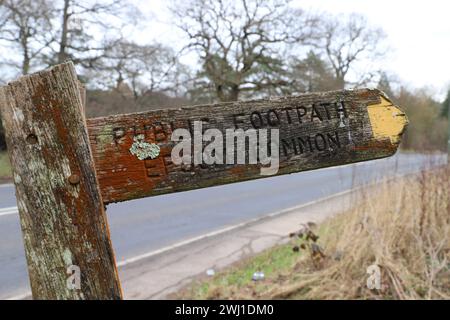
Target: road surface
x,y
142,226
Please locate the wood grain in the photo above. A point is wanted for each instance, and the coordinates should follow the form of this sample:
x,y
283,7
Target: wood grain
x,y
60,206
309,126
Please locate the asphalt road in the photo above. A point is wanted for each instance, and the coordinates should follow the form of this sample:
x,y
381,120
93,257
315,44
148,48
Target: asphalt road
x,y
142,226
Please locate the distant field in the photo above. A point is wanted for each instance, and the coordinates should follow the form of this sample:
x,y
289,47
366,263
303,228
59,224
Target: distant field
x,y
5,167
402,228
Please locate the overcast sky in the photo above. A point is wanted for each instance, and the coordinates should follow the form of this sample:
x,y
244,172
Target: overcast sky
x,y
418,33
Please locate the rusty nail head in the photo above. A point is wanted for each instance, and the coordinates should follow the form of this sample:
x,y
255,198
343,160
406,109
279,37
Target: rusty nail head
x,y
74,179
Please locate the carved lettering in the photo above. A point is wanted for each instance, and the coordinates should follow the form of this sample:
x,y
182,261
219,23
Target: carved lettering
x,y
311,143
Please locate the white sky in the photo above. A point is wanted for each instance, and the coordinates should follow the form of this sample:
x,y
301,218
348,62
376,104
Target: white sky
x,y
418,32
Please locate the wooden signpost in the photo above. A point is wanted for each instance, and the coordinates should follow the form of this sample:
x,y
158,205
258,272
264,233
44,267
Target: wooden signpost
x,y
66,168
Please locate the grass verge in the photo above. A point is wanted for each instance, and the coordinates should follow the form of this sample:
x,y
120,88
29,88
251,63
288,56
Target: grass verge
x,y
5,166
402,228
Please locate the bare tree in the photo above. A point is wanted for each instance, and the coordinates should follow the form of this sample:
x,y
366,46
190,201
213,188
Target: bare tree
x,y
347,40
143,68
85,29
240,43
26,26
49,32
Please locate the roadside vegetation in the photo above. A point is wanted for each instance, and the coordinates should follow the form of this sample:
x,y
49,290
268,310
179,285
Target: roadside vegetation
x,y
5,167
402,227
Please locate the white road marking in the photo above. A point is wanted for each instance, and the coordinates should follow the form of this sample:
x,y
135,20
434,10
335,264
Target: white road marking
x,y
22,296
6,185
10,210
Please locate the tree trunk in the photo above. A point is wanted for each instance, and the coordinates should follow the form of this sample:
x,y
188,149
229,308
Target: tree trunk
x,y
26,66
64,30
340,81
25,56
220,94
25,61
234,95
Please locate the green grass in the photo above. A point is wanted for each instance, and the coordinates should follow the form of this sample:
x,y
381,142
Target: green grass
x,y
5,166
276,263
273,262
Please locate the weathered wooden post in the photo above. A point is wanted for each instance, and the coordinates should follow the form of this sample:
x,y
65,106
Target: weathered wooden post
x,y
61,209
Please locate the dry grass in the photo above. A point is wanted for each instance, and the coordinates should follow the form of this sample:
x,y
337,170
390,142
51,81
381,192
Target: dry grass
x,y
401,226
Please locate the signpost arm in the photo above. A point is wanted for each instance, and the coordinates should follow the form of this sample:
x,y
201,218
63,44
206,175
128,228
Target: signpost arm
x,y
65,231
316,130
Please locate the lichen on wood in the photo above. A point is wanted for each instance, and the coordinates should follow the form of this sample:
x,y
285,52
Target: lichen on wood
x,y
144,150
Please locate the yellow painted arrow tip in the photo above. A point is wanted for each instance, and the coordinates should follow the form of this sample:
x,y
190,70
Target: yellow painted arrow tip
x,y
387,120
